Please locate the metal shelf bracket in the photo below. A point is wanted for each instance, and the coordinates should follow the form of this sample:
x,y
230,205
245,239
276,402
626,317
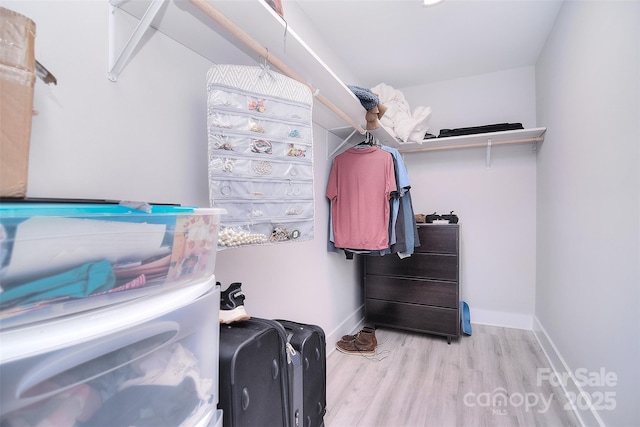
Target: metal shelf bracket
x,y
342,144
489,153
116,66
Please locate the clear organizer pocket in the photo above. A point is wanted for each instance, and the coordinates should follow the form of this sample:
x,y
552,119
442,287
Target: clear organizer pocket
x,y
245,189
252,126
275,230
253,209
219,98
290,131
231,100
256,146
257,168
282,110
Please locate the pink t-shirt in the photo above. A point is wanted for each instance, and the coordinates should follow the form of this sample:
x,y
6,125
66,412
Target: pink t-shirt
x,y
360,184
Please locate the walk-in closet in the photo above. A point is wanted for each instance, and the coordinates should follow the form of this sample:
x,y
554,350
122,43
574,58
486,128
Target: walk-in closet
x,y
499,163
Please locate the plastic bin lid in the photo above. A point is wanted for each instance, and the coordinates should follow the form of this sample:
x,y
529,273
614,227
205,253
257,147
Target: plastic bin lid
x,y
21,210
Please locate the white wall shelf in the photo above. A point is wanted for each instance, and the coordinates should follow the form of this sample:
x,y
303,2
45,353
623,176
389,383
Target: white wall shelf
x,y
519,136
488,140
188,23
185,22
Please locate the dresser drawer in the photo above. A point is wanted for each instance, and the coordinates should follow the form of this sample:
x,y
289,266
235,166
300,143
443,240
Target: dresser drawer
x,y
438,320
438,238
421,265
428,292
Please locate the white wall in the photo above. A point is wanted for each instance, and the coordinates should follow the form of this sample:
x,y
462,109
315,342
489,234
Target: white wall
x,y
144,138
496,205
141,138
588,212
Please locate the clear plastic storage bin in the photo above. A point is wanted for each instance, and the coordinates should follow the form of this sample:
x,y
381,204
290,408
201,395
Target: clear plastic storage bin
x,y
59,259
148,362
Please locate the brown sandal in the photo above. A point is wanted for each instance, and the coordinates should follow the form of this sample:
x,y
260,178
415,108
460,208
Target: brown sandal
x,y
381,110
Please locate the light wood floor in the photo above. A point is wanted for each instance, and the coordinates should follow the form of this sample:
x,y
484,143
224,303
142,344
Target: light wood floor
x,y
487,379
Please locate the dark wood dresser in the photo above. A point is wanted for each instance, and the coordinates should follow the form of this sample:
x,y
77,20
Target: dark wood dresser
x,y
419,293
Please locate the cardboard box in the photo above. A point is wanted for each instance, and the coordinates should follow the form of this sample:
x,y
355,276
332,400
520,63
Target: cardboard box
x,y
17,79
16,110
17,33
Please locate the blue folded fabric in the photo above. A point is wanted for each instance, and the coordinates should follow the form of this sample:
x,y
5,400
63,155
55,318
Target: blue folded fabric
x,y
367,98
77,283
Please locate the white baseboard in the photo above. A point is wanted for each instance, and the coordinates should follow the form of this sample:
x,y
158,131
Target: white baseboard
x,y
500,318
350,325
355,321
586,416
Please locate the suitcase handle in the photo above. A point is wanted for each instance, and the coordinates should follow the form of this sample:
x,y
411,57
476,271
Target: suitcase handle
x,y
245,399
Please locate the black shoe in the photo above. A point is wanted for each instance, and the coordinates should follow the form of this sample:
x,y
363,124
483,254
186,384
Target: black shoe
x,y
432,217
451,217
232,304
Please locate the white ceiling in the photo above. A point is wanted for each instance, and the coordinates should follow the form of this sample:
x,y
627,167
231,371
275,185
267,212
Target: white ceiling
x,y
402,43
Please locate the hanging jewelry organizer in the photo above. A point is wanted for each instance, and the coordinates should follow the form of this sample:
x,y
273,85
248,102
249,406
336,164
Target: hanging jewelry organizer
x,y
260,155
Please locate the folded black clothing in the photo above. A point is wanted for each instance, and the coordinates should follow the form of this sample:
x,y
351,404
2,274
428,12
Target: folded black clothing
x,y
451,217
498,127
147,405
432,217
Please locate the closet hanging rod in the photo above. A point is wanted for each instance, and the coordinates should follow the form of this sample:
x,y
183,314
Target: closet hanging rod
x,y
478,144
245,38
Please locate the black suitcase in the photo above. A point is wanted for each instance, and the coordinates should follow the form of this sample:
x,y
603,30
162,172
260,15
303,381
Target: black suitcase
x,y
254,374
308,374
